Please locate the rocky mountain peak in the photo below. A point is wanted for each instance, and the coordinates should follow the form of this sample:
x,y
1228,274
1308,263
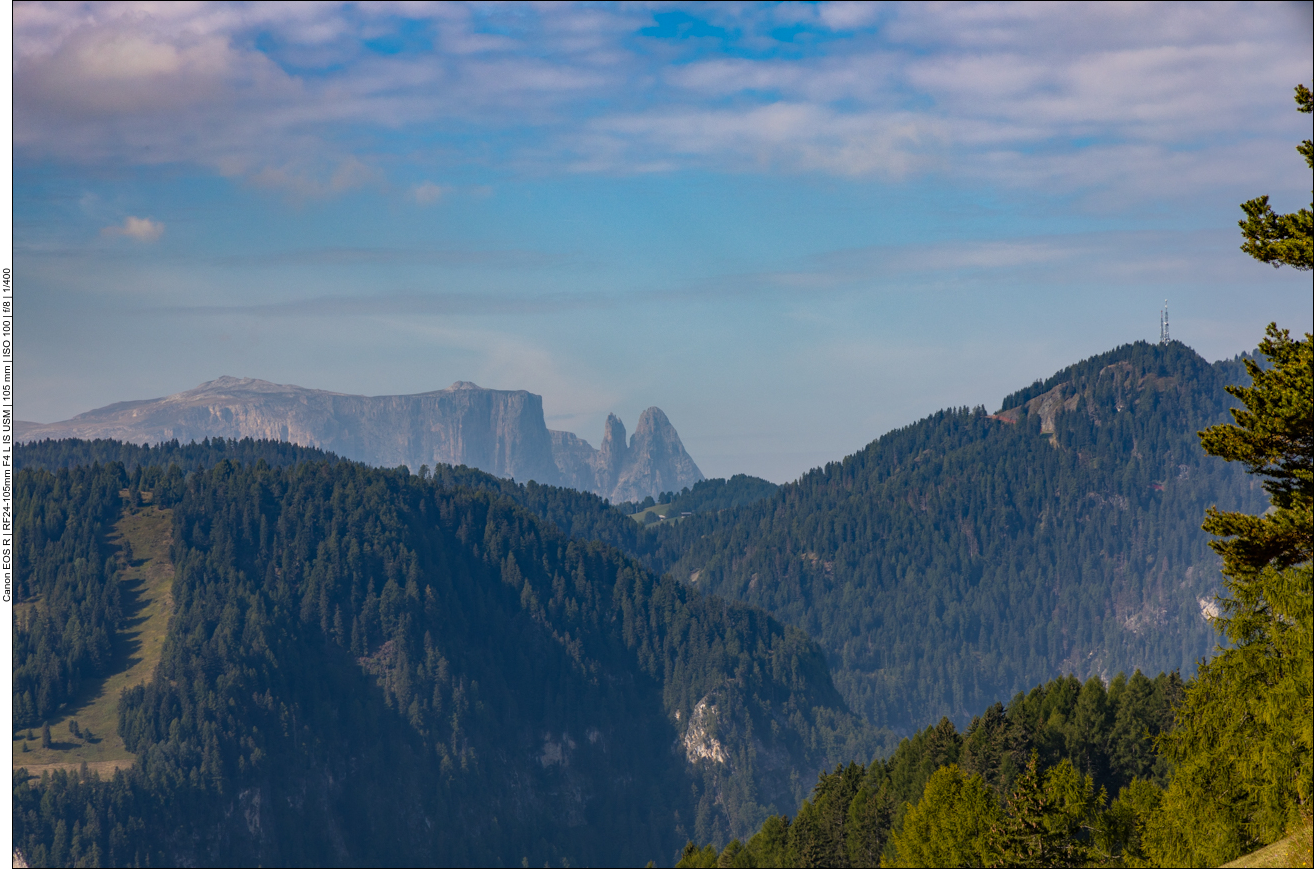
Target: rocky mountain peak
x,y
614,448
653,424
656,461
499,431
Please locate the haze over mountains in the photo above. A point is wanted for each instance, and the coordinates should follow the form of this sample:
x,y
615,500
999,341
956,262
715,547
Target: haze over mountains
x,y
495,430
969,555
530,674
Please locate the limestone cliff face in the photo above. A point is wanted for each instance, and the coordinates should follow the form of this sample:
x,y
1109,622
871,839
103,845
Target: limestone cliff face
x,y
498,431
654,460
575,461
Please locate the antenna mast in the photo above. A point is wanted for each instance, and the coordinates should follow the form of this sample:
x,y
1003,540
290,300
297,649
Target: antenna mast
x,y
1163,325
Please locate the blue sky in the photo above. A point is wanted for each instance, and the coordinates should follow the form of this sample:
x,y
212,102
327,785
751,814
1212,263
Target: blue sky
x,y
792,227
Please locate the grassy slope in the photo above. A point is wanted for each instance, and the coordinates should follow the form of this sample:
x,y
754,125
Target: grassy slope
x,y
662,511
1294,850
146,586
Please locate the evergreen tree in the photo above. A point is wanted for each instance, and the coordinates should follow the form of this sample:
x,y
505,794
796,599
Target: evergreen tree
x,y
1244,738
871,814
969,555
694,857
1243,741
1047,820
1282,239
951,824
937,800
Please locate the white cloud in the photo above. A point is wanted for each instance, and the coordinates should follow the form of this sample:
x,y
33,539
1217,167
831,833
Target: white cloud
x,y
793,136
1047,97
426,193
304,181
139,228
848,15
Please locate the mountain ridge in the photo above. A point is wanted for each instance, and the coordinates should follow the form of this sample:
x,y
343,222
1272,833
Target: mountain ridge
x,y
499,431
406,666
967,555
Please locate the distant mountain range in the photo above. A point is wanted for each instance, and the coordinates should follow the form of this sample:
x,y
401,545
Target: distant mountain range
x,y
495,430
363,665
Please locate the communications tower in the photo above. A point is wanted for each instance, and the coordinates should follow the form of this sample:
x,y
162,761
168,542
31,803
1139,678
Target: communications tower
x,y
1163,325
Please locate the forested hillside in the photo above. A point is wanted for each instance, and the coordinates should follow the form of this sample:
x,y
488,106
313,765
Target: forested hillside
x,y
894,811
707,496
370,666
961,558
577,514
51,455
67,598
488,645
956,560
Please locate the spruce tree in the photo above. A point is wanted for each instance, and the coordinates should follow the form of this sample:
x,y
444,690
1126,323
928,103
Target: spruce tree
x,y
1282,239
1243,739
870,816
1047,818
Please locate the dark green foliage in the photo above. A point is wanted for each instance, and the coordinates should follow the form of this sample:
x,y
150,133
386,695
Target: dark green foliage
x,y
694,857
577,514
1051,753
52,455
966,556
1046,819
870,818
1243,747
66,582
76,819
1106,734
372,666
1273,438
1282,239
710,496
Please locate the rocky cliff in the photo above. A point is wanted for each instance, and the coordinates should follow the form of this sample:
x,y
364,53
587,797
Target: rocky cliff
x,y
654,460
495,430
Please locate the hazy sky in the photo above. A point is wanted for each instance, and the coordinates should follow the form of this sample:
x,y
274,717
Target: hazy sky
x,y
792,227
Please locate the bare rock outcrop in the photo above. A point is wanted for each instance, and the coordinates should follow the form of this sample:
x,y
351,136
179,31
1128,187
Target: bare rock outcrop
x,y
653,461
496,430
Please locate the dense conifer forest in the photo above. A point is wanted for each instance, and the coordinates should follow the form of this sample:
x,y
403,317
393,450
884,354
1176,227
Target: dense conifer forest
x,y
886,811
69,600
366,665
708,496
966,556
373,665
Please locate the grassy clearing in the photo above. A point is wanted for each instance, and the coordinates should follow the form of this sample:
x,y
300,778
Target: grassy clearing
x,y
146,585
1294,850
661,511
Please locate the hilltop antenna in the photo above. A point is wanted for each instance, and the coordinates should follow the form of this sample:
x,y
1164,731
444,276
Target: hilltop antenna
x,y
1163,325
